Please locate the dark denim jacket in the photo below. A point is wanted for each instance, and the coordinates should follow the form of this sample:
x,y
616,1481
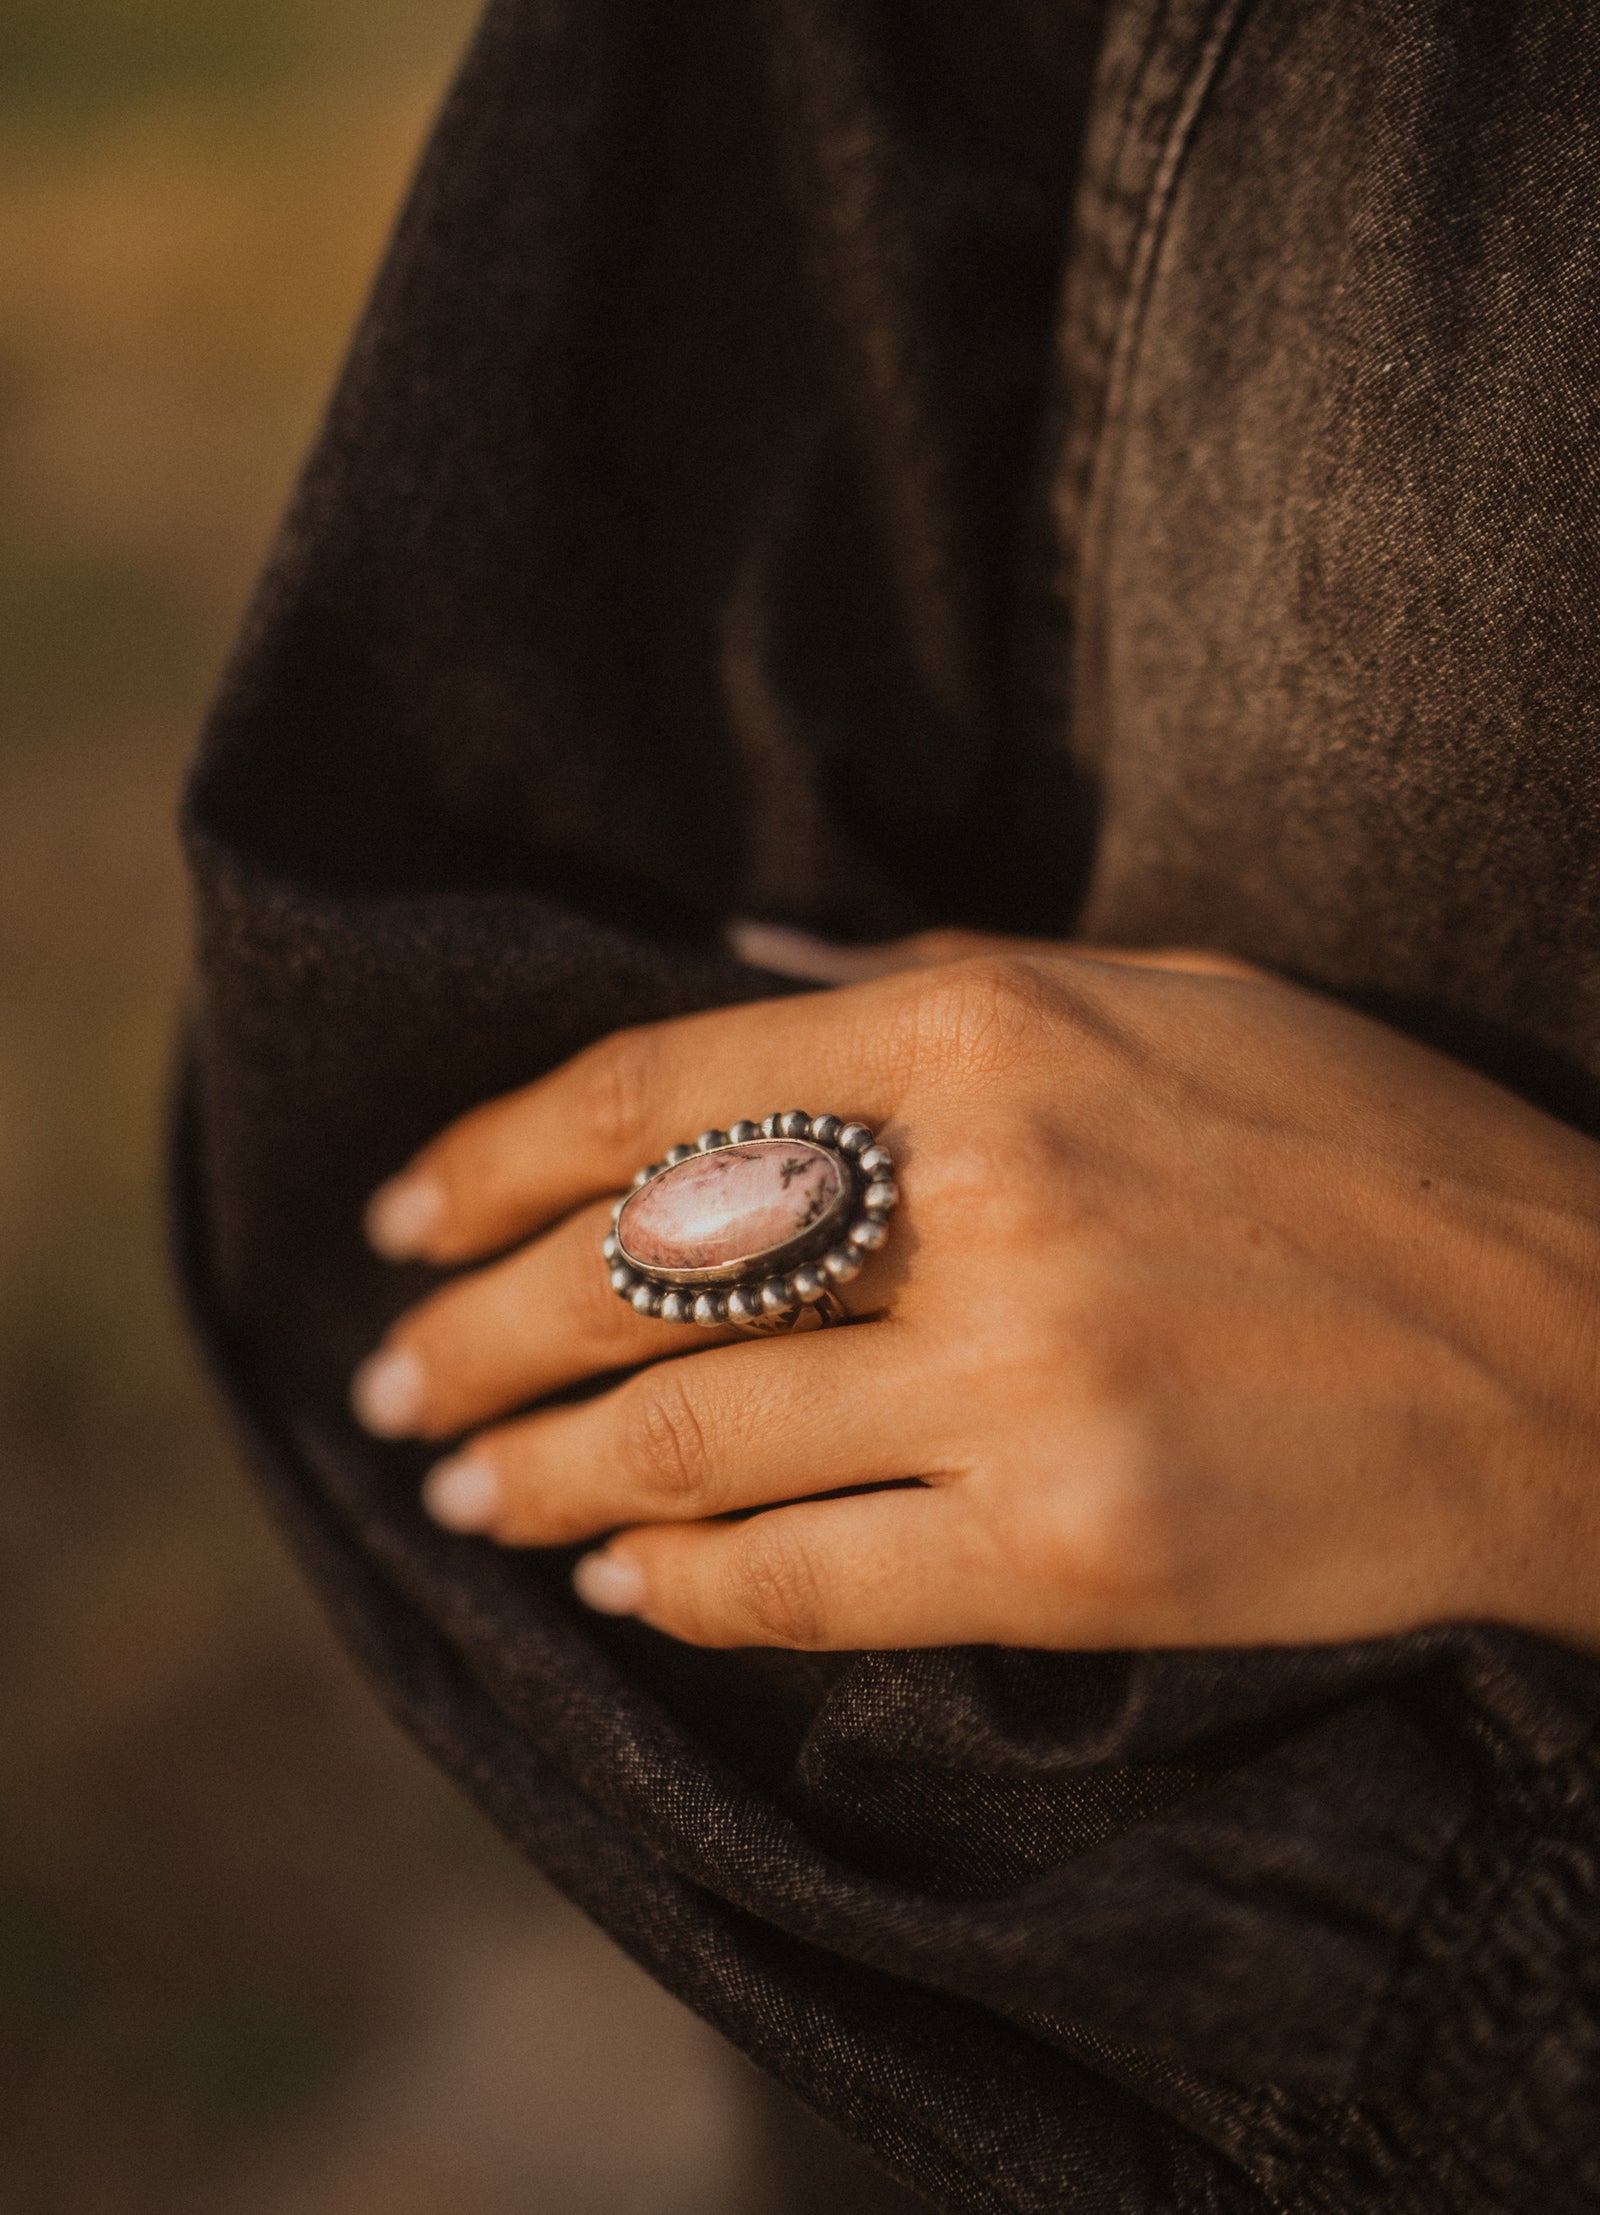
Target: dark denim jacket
x,y
873,465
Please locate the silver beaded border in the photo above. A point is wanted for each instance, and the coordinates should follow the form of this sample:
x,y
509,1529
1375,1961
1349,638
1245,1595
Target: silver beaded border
x,y
771,1303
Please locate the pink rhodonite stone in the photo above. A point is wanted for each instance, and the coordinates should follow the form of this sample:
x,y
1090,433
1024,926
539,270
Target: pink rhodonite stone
x,y
734,1205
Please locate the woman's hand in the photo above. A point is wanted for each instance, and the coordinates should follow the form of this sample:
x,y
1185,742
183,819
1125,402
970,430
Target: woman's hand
x,y
1214,1314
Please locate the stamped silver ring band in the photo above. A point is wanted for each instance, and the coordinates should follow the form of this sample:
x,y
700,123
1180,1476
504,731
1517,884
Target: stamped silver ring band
x,y
758,1226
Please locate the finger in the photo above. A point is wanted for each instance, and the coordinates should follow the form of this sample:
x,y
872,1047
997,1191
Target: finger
x,y
913,1567
543,1318
737,1427
520,1162
790,953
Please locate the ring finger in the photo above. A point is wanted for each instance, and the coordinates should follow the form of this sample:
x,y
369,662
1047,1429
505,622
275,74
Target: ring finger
x,y
743,1426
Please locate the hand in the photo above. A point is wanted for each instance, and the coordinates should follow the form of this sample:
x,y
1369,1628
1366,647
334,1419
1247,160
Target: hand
x,y
1214,1313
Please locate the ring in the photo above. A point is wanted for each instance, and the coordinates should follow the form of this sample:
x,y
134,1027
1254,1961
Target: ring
x,y
757,1226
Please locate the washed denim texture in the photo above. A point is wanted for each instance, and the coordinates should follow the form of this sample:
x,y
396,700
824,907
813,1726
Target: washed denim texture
x,y
873,466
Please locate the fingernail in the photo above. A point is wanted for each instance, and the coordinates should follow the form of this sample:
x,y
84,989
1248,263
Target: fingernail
x,y
387,1393
609,1583
462,1493
403,1215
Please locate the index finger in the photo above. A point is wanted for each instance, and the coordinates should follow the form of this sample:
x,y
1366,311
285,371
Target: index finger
x,y
519,1163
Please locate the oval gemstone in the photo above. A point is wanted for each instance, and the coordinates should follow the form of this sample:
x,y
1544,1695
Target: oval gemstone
x,y
734,1210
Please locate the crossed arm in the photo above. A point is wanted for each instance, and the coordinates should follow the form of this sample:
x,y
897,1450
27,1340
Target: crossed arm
x,y
1215,1314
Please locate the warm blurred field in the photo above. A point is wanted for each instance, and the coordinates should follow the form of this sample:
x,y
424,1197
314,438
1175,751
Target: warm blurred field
x,y
252,1955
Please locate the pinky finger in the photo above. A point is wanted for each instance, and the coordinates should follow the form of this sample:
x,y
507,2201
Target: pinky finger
x,y
906,1567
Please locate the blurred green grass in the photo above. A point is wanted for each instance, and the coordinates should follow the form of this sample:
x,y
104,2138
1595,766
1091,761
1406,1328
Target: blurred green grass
x,y
211,1851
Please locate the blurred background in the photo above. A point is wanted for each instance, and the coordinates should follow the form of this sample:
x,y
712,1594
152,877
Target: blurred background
x,y
254,1957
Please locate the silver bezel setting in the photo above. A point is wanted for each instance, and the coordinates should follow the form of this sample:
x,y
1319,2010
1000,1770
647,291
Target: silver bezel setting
x,y
777,1290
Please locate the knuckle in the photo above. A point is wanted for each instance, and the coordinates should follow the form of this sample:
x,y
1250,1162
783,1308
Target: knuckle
x,y
995,1010
1011,1181
773,1585
979,1016
1129,1540
663,1447
1011,1157
616,1089
1002,993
